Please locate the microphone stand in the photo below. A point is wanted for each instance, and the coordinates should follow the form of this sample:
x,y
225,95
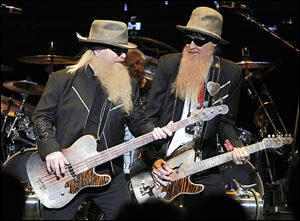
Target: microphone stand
x,y
265,28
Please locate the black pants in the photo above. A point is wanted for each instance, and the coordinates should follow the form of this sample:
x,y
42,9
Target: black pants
x,y
213,185
110,199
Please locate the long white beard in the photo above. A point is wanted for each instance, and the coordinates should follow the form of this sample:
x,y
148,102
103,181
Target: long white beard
x,y
115,79
193,71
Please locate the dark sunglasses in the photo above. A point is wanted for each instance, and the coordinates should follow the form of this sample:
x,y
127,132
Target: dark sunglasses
x,y
197,41
118,51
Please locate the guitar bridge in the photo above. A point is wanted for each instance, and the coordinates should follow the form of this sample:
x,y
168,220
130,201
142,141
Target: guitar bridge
x,y
146,189
41,184
72,172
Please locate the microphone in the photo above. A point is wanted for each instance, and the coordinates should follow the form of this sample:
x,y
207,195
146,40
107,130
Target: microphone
x,y
230,5
10,9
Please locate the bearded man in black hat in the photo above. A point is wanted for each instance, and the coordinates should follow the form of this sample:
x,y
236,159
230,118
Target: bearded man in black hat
x,y
95,96
188,81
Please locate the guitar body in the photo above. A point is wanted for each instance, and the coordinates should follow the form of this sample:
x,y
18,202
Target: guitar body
x,y
143,184
56,192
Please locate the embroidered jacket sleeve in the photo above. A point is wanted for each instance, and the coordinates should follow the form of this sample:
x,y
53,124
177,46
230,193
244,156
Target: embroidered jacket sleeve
x,y
44,118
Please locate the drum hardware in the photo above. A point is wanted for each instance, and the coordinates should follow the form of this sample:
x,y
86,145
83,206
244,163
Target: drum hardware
x,y
244,184
18,114
265,116
16,124
246,137
245,174
250,199
275,197
9,106
12,148
266,113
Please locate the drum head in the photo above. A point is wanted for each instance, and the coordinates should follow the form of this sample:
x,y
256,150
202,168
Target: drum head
x,y
16,164
244,174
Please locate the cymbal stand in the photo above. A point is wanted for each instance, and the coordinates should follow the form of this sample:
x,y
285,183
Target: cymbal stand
x,y
266,92
18,113
275,188
254,95
252,91
51,52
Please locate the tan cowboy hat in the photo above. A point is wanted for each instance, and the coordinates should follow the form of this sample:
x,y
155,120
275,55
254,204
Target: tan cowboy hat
x,y
206,21
108,32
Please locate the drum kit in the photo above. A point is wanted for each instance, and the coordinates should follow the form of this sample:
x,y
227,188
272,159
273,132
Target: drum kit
x,y
252,185
18,136
16,128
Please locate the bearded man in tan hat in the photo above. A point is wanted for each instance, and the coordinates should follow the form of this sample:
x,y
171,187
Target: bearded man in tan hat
x,y
96,96
187,81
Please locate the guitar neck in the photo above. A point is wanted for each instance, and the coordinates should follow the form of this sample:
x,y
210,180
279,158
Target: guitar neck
x,y
118,150
219,159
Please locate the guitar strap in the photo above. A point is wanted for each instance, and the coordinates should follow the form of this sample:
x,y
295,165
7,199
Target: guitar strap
x,y
104,113
213,76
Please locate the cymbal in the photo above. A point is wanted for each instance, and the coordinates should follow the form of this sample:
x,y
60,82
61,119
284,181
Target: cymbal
x,y
24,86
14,106
6,68
47,59
252,64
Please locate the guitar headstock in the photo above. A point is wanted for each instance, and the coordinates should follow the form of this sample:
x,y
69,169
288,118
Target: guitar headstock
x,y
209,113
277,141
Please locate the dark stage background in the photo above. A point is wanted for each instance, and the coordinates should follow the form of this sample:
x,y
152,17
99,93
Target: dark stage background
x,y
41,22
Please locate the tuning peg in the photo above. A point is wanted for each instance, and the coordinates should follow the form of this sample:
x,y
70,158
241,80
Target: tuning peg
x,y
273,135
269,135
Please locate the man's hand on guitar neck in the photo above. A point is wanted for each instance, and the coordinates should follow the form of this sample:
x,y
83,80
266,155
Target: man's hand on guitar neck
x,y
239,154
162,133
55,162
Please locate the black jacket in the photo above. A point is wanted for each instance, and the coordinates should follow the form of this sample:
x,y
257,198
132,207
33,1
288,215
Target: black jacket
x,y
62,112
163,106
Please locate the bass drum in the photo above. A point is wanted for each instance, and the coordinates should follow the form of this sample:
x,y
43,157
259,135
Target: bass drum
x,y
244,184
16,166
